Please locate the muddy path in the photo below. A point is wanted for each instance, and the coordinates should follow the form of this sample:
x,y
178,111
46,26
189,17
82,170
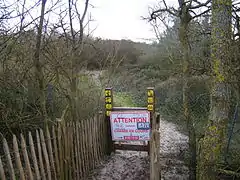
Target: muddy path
x,y
129,165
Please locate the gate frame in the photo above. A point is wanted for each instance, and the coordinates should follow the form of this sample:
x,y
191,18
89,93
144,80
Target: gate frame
x,y
112,146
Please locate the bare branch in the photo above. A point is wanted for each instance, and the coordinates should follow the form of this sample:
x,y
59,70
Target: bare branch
x,y
187,4
198,15
200,4
236,4
70,20
154,13
171,11
164,2
81,20
85,10
156,31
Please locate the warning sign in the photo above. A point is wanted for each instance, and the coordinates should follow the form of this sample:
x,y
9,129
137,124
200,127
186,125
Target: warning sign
x,y
130,125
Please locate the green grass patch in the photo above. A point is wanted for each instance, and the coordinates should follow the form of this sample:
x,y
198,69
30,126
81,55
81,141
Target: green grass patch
x,y
122,99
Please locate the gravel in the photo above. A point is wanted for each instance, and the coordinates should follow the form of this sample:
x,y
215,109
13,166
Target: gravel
x,y
130,165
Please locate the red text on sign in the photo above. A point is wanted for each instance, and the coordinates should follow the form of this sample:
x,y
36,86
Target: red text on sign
x,y
130,120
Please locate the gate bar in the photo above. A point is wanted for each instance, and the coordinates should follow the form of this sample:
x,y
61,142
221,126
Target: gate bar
x,y
131,147
128,108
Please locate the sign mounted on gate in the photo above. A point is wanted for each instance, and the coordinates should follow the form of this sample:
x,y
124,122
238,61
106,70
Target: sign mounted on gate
x,y
130,125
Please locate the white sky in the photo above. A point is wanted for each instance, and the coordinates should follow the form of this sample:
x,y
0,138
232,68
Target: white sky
x,y
114,19
121,19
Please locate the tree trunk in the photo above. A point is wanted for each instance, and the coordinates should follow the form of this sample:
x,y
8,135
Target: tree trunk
x,y
74,65
214,141
38,67
75,55
185,19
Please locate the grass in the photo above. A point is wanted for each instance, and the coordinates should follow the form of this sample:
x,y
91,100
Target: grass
x,y
122,99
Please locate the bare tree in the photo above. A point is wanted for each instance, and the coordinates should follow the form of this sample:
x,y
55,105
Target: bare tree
x,y
186,14
76,52
38,65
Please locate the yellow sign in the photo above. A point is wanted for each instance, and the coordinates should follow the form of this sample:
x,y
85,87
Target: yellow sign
x,y
108,106
108,99
150,92
107,93
150,100
108,113
150,107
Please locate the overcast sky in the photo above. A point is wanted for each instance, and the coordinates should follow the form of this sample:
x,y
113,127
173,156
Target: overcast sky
x,y
113,19
121,19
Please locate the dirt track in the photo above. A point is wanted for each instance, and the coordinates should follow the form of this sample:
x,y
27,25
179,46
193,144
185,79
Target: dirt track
x,y
128,165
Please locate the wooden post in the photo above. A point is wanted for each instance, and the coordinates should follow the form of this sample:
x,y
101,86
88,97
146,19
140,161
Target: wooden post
x,y
55,149
26,158
155,173
2,173
34,157
108,109
9,159
17,158
155,138
50,152
43,176
45,154
150,108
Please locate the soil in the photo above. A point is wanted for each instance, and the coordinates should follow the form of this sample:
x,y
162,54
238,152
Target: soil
x,y
129,165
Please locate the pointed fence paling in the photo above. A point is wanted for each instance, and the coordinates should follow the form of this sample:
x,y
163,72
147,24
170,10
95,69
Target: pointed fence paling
x,y
64,151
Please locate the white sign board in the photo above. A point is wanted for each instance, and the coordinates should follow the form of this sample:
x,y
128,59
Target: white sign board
x,y
130,125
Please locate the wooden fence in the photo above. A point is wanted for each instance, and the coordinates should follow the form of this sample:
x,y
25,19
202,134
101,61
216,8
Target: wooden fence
x,y
65,151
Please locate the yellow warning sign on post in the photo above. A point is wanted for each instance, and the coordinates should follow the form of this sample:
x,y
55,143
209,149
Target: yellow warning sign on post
x,y
108,113
150,107
150,92
108,101
151,99
109,106
108,92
